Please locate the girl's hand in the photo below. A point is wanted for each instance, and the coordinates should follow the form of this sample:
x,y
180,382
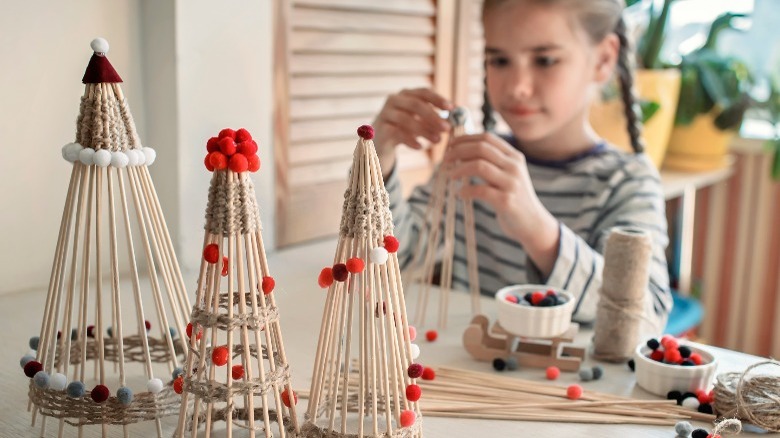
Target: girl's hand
x,y
406,116
506,186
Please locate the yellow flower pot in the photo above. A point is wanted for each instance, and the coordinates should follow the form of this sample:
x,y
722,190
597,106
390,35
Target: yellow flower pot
x,y
699,146
609,121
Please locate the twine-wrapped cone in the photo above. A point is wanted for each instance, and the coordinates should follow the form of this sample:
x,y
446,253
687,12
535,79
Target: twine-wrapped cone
x,y
364,333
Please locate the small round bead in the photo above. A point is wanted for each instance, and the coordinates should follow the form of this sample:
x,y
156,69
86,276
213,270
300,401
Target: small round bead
x,y
26,359
699,433
178,385
408,418
537,297
34,341
286,397
586,374
211,253
58,381
674,395
41,379
176,373
705,408
125,395
391,243
268,284
227,146
378,255
173,332
691,403
657,355
90,331
413,392
325,278
687,363
147,324
253,163
227,132
431,335
412,333
150,155
110,331
683,428
574,392
672,356
85,155
415,370
547,301
512,364
119,159
225,266
238,163
499,364
99,393
552,373
696,358
415,350
355,265
74,333
219,356
75,389
237,372
32,367
428,373
102,158
154,385
512,299
99,45
366,132
685,352
653,344
242,135
340,272
598,372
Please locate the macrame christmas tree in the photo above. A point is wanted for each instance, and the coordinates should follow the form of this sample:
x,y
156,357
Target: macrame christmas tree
x,y
438,248
364,375
236,369
105,349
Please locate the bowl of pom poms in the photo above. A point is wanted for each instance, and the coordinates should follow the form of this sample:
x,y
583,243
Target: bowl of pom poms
x,y
534,311
667,364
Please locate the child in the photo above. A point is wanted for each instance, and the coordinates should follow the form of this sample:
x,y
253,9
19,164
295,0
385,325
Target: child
x,y
546,197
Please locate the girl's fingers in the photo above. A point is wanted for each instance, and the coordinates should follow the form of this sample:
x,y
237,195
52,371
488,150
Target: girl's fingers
x,y
490,195
430,96
476,151
491,174
407,125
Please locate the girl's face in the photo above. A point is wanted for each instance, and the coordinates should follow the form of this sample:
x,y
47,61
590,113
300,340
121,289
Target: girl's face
x,y
541,68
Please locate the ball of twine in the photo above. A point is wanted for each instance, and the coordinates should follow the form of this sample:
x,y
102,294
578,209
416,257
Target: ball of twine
x,y
755,399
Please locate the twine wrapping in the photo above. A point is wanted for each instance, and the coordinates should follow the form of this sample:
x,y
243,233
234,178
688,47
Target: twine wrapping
x,y
104,121
753,399
622,294
311,430
133,347
366,200
240,417
211,391
232,207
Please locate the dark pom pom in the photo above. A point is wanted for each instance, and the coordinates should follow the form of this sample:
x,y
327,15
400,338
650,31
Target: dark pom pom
x,y
653,344
366,132
499,364
340,272
631,364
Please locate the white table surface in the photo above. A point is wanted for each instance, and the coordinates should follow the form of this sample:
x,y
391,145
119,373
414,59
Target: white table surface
x,y
300,303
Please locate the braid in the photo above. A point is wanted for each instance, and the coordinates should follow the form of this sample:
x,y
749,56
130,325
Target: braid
x,y
626,78
488,119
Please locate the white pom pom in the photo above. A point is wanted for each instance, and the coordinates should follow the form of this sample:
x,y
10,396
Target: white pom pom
x,y
58,381
102,158
132,158
154,386
379,255
99,45
70,152
150,154
415,351
140,156
691,403
85,156
119,159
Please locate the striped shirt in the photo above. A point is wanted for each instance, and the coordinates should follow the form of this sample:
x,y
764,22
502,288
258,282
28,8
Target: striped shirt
x,y
589,194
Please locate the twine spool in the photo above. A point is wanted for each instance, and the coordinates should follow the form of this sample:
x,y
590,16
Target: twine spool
x,y
753,399
622,294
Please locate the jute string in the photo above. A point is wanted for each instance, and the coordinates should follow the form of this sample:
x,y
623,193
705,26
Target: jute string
x,y
232,207
213,392
755,399
364,202
221,321
104,121
83,411
132,347
240,418
311,430
621,297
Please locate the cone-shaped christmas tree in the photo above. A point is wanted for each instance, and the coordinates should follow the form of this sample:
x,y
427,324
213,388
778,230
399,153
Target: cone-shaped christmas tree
x,y
236,369
364,375
112,224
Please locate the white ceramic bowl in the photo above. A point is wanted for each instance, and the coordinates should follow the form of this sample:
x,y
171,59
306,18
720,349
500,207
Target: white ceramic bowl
x,y
660,378
533,322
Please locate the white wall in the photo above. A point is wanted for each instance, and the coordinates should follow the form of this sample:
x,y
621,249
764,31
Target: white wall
x,y
190,68
44,50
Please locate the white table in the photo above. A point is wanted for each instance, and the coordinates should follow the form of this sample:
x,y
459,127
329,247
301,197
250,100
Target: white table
x,y
300,304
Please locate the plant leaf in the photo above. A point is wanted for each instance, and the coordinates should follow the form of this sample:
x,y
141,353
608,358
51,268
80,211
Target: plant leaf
x,y
649,108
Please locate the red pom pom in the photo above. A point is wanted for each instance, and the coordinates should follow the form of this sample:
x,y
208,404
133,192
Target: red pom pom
x,y
657,355
340,272
431,335
574,392
148,325
189,332
407,418
672,356
711,396
713,435
355,265
268,284
227,132
326,277
178,385
696,358
90,331
219,356
242,135
366,132
537,297
237,372
227,146
552,373
218,160
253,163
213,144
391,244
225,266
286,398
550,293
32,367
415,370
247,148
211,253
238,163
512,299
702,396
207,162
668,342
413,392
428,373
99,393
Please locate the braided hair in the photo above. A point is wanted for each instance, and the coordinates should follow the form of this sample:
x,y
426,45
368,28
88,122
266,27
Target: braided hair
x,y
599,18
